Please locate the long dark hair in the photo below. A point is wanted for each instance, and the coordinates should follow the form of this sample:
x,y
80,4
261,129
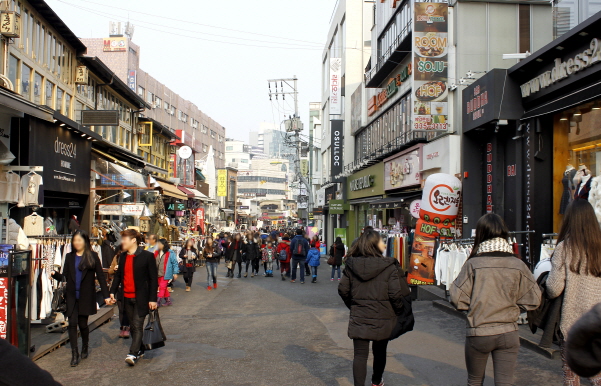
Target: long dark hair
x,y
166,245
87,259
338,241
490,226
581,234
367,245
192,248
209,249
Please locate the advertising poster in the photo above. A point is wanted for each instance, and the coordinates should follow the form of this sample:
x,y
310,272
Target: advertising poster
x,y
438,210
221,183
340,232
403,171
430,48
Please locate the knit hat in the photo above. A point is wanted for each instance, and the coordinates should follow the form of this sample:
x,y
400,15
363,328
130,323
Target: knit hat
x,y
584,344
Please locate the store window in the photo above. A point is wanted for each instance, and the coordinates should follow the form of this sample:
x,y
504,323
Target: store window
x,y
577,158
59,100
68,105
37,88
49,92
26,82
13,64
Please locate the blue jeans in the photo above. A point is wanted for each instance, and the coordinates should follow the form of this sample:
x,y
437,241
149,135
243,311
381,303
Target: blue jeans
x,y
334,269
296,262
314,271
211,273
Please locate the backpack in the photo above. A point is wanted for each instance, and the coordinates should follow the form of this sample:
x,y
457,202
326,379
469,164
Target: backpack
x,y
283,255
300,248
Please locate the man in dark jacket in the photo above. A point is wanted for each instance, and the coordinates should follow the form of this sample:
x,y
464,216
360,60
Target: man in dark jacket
x,y
299,247
18,369
139,276
583,347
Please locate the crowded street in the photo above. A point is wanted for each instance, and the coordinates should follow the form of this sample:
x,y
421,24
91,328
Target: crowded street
x,y
263,331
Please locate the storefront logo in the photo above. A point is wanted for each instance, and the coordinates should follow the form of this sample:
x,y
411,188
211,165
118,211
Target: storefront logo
x,y
443,197
563,70
69,150
376,102
362,183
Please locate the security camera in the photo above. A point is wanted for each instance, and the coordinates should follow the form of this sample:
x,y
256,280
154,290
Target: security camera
x,y
462,81
469,75
453,87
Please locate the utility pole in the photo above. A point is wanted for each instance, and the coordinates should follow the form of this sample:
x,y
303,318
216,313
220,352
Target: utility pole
x,y
295,126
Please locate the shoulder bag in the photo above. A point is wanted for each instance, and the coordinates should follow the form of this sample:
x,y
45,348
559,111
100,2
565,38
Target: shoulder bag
x,y
153,337
59,301
405,320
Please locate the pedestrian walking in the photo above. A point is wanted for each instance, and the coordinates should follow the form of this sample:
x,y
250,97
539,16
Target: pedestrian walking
x,y
123,321
152,246
337,252
188,254
139,276
167,268
493,287
81,270
299,246
313,260
211,253
576,272
236,247
106,249
268,257
284,256
252,254
229,256
371,289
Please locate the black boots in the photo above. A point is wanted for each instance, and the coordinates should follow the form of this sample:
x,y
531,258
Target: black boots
x,y
74,357
312,281
84,351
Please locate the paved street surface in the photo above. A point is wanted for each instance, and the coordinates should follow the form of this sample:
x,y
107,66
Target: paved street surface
x,y
263,331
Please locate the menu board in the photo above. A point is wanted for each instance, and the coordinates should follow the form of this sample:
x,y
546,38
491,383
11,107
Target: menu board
x,y
430,48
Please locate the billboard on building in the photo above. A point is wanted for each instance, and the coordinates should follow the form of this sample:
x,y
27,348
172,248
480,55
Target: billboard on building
x,y
131,79
222,183
337,141
430,55
115,44
335,86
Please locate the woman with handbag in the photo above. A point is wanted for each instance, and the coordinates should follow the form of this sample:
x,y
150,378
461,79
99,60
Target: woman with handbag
x,y
337,252
81,270
188,254
371,289
493,286
211,253
576,272
167,268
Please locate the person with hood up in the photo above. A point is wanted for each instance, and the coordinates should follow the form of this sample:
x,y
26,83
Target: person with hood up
x,y
371,289
282,250
313,260
337,250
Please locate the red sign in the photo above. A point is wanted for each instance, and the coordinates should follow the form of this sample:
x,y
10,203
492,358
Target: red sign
x,y
3,307
475,106
200,218
511,171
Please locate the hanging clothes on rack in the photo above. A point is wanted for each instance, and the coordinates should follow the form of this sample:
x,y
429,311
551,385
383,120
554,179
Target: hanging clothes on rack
x,y
31,192
33,225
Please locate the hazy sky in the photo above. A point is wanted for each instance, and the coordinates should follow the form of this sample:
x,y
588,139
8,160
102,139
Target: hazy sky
x,y
181,46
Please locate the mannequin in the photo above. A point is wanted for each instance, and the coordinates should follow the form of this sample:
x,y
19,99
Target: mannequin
x,y
568,188
584,186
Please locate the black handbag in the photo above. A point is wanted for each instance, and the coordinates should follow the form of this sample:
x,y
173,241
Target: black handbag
x,y
153,337
59,301
405,320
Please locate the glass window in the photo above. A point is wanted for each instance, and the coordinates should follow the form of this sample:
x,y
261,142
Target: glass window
x,y
25,37
13,67
52,54
37,88
68,105
78,109
141,91
59,100
114,134
26,82
149,97
49,93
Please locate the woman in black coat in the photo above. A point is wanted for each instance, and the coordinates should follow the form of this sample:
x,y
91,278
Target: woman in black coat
x,y
81,270
252,253
189,254
371,289
338,251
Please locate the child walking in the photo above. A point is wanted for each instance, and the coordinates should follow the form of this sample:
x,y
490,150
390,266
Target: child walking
x,y
268,256
313,258
168,269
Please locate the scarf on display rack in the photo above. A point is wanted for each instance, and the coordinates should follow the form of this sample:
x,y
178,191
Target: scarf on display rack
x,y
495,245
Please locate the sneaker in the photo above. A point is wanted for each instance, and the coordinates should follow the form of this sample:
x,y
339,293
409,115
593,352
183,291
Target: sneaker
x,y
209,288
187,289
214,285
131,360
314,280
338,279
125,332
168,302
169,289
283,277
292,281
379,384
302,282
245,274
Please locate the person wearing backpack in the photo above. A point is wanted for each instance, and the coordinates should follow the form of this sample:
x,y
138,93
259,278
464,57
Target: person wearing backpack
x,y
313,258
299,246
283,252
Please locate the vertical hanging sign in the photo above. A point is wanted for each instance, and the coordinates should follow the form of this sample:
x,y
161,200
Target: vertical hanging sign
x,y
336,130
430,55
335,86
222,183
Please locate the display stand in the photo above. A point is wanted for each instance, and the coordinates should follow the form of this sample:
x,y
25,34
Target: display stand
x,y
15,308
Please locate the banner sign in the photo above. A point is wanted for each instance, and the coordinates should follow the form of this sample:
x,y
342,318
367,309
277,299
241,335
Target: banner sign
x,y
335,86
132,210
430,53
3,307
438,210
403,171
336,131
337,207
222,183
340,232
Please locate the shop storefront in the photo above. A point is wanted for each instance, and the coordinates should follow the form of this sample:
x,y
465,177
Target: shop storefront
x,y
532,146
364,188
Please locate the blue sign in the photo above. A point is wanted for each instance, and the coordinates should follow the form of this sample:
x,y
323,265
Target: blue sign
x,y
131,79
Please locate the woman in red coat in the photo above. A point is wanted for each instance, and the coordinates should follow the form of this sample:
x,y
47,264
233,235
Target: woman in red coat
x,y
284,245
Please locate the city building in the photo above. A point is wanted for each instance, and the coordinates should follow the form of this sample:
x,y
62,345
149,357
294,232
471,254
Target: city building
x,y
272,141
315,161
569,13
237,154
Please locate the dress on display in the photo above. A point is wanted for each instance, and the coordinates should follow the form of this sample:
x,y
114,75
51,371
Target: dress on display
x,y
568,188
584,187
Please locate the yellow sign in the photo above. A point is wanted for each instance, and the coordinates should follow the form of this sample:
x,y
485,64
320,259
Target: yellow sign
x,y
304,166
222,183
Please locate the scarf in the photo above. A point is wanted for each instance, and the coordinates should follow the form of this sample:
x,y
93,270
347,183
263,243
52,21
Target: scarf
x,y
495,245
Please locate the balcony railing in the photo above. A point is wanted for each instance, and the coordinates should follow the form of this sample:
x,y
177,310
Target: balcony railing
x,y
393,49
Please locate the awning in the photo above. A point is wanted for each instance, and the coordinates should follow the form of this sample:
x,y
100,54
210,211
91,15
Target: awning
x,y
18,104
116,175
200,175
155,169
172,191
564,102
397,201
186,191
198,195
226,210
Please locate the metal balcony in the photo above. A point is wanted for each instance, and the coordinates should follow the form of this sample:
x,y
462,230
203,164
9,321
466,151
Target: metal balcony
x,y
389,59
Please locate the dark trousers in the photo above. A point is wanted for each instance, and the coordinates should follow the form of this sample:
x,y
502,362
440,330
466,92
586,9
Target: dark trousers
x,y
188,276
76,320
248,262
302,263
504,349
136,326
239,264
285,268
307,269
256,265
123,320
361,347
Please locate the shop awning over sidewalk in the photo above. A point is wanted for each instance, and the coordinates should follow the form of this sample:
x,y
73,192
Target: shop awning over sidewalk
x,y
397,201
172,191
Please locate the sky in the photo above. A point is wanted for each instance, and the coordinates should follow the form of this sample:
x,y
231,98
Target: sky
x,y
186,44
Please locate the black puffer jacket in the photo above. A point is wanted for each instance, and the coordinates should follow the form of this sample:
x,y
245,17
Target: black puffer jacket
x,y
371,289
252,251
338,251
